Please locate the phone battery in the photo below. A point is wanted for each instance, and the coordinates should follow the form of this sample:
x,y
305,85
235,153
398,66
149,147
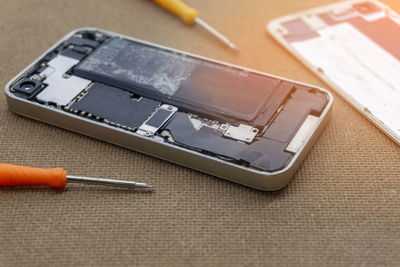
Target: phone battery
x,y
170,77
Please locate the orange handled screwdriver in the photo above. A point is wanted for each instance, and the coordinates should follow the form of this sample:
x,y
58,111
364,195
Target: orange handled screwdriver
x,y
11,175
190,16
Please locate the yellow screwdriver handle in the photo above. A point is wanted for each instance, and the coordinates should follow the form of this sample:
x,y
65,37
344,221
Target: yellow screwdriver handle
x,y
187,14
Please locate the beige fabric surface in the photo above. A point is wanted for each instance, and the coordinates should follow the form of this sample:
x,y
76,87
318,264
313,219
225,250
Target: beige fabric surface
x,y
341,209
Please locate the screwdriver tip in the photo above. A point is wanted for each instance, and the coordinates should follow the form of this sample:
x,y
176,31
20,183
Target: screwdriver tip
x,y
217,34
234,47
143,185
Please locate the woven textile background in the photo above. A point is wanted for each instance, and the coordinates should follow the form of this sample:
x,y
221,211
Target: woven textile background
x,y
342,207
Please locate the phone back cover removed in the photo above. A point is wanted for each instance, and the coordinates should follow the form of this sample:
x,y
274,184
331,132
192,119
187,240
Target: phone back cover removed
x,y
222,119
354,46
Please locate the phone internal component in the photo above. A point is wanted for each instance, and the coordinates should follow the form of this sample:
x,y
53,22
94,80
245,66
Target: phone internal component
x,y
305,131
264,154
27,86
157,120
61,87
76,52
300,104
115,105
274,103
82,42
207,88
242,132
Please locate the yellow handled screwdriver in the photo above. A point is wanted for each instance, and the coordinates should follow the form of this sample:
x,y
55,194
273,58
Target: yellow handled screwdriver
x,y
11,175
190,16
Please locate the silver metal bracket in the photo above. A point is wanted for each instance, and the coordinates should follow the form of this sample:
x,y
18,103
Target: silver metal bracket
x,y
157,120
244,133
61,88
303,133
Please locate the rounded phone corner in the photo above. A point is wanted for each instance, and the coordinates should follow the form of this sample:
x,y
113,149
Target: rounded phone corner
x,y
272,26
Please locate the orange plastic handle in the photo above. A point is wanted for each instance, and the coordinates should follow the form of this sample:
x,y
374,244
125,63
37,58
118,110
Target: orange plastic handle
x,y
20,175
187,14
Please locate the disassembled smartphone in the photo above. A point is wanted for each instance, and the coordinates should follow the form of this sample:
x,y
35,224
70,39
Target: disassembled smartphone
x,y
245,126
354,46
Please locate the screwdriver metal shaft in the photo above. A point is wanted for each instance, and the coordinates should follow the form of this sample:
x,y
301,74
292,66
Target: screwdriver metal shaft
x,y
109,182
216,33
190,16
